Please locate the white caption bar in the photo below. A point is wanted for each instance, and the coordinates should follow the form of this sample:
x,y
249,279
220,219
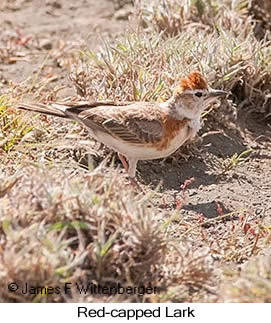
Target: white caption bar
x,y
134,312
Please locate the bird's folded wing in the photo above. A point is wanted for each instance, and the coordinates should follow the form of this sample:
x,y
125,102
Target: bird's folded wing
x,y
125,123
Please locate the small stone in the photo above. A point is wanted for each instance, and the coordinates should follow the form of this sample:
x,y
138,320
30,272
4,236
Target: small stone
x,y
123,13
46,44
54,4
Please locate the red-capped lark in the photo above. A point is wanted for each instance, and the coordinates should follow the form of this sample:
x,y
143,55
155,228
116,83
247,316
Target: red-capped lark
x,y
141,130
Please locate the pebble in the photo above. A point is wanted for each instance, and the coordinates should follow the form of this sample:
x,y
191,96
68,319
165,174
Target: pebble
x,y
123,13
46,44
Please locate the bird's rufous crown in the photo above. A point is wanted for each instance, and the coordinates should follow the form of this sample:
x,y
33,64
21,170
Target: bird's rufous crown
x,y
194,81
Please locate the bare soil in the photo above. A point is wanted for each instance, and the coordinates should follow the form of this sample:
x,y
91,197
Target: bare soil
x,y
33,28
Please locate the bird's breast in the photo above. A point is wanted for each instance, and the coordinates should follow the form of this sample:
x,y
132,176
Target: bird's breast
x,y
175,133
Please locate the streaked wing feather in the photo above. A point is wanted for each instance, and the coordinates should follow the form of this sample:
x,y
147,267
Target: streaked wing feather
x,y
152,127
121,131
127,124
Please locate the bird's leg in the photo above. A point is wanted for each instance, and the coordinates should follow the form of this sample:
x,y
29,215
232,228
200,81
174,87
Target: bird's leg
x,y
130,169
124,162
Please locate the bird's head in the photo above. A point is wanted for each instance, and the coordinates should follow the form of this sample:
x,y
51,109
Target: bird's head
x,y
193,95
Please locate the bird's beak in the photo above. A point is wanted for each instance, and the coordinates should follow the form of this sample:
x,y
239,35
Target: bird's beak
x,y
215,93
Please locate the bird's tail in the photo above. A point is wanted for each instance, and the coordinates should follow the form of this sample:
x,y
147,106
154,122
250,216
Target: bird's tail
x,y
53,109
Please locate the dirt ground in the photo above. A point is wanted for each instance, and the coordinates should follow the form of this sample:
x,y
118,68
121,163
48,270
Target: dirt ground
x,y
38,27
33,28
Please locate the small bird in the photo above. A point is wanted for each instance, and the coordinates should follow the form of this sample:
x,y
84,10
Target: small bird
x,y
141,130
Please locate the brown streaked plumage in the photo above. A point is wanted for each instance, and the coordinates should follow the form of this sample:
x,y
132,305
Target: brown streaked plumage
x,y
140,130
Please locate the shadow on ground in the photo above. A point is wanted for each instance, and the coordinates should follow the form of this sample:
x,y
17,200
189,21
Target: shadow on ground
x,y
208,209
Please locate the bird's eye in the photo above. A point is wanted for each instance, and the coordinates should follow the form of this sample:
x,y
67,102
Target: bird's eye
x,y
198,94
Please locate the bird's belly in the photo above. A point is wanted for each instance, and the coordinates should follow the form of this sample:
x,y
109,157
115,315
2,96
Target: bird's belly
x,y
147,151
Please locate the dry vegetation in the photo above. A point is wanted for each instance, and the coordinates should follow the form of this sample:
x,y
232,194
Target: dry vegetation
x,y
67,212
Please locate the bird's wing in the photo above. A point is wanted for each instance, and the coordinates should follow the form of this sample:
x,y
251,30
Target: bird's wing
x,y
138,123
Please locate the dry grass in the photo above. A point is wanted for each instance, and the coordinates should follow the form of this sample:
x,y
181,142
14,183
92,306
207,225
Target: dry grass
x,y
62,219
253,284
86,227
145,65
